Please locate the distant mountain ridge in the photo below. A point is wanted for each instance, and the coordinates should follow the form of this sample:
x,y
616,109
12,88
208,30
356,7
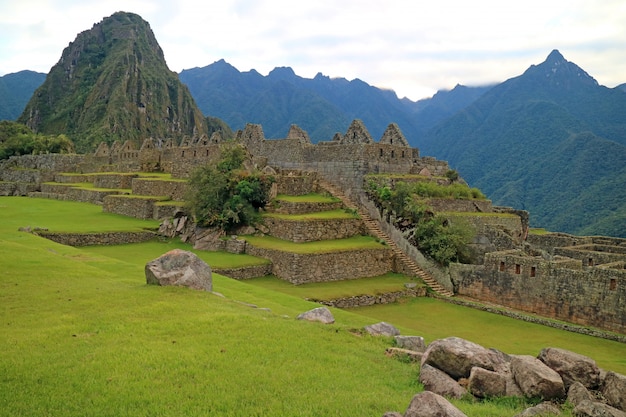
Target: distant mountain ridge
x,y
112,83
551,141
322,105
15,91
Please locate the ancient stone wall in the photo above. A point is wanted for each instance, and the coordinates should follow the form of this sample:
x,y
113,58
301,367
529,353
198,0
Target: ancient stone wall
x,y
291,183
591,255
106,238
369,300
140,208
288,207
172,189
323,267
562,289
247,272
313,230
467,206
550,241
67,192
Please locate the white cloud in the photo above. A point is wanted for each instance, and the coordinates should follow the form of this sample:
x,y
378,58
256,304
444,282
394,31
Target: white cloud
x,y
414,47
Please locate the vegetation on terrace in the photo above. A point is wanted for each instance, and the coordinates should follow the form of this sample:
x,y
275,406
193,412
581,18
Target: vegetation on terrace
x,y
432,233
226,195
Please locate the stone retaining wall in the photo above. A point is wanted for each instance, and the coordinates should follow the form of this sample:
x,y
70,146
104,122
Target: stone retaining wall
x,y
17,188
140,208
449,204
113,181
106,238
174,190
324,267
247,272
67,192
290,207
313,230
297,184
369,300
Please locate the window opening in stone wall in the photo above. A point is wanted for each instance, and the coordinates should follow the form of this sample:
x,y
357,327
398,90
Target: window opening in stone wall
x,y
207,152
393,154
613,284
518,269
403,154
502,266
533,271
590,262
381,152
194,154
183,154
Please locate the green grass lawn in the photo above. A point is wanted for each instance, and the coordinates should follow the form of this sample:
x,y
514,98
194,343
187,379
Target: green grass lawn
x,y
81,334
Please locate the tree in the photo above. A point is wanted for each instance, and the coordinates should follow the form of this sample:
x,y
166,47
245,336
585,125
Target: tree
x,y
225,195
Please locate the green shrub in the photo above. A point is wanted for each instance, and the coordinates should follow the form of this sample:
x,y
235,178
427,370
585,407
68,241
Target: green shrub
x,y
225,195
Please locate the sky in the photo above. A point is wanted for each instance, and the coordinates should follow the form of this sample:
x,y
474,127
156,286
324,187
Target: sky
x,y
413,47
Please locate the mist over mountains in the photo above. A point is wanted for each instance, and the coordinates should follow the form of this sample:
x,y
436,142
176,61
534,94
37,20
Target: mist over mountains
x,y
551,141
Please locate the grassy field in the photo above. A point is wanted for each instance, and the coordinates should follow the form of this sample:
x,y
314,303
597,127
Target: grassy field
x,y
81,334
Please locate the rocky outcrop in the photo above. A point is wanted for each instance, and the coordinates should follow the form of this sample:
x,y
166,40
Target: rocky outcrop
x,y
180,268
444,372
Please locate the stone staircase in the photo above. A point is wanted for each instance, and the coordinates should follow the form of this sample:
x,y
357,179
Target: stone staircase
x,y
374,228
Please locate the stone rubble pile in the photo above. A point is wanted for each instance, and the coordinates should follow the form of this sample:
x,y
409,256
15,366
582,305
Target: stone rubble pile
x,y
455,368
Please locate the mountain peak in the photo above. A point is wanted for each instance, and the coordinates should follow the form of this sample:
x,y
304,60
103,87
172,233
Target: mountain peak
x,y
282,73
555,57
112,83
559,72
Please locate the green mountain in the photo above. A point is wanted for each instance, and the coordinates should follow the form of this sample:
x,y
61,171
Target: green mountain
x,y
551,141
322,105
15,91
112,83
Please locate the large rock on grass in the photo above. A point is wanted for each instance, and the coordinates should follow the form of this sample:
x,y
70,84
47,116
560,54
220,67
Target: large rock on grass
x,y
457,357
596,409
483,383
614,390
536,379
429,404
573,367
180,268
543,409
440,383
382,329
320,314
415,343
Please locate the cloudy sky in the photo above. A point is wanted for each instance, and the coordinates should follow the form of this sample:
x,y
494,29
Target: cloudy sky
x,y
414,47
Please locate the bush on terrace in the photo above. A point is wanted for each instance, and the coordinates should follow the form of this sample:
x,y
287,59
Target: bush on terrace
x,y
226,195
